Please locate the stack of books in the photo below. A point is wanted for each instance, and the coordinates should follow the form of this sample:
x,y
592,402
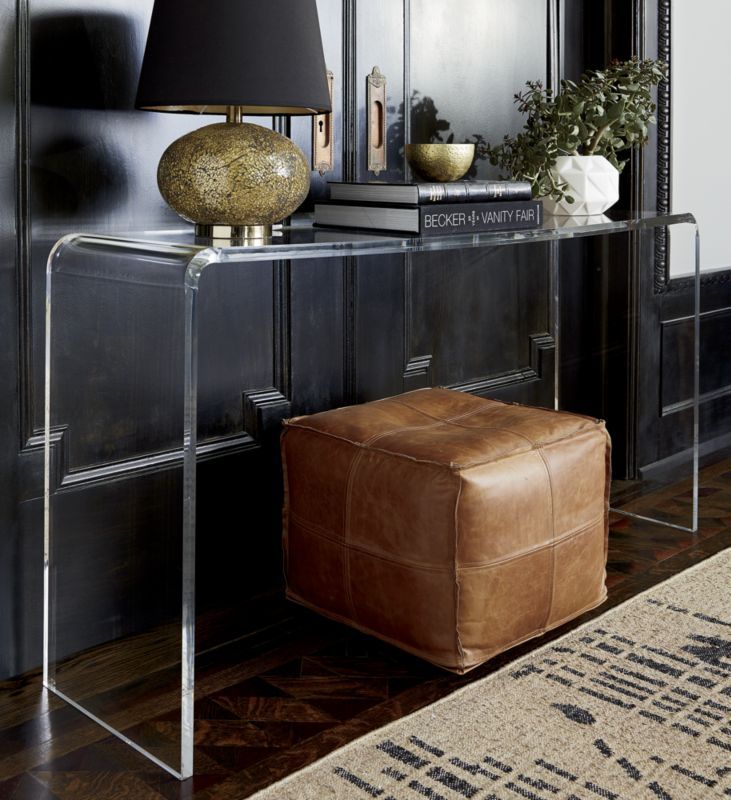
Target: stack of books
x,y
431,209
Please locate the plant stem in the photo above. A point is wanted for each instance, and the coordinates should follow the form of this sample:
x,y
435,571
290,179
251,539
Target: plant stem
x,y
597,138
554,185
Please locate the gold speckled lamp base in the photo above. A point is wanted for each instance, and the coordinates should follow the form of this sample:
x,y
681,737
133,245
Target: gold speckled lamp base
x,y
233,174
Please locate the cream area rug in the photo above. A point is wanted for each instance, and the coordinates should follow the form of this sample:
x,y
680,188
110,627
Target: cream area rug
x,y
634,704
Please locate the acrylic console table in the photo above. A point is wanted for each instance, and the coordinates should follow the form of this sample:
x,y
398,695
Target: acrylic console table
x,y
89,279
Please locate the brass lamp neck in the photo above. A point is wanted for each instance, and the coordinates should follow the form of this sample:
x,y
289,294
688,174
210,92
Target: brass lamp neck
x,y
233,114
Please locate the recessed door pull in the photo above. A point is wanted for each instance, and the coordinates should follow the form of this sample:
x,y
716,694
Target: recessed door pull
x,y
376,123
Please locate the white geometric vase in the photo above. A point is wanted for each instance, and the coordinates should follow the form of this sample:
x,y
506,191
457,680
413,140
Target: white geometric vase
x,y
592,181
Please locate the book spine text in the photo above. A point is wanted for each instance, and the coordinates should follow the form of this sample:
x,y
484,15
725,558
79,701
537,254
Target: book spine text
x,y
502,216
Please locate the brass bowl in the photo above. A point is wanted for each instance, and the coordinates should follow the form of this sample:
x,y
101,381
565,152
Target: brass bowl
x,y
440,162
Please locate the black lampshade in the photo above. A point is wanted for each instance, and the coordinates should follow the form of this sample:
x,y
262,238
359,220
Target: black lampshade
x,y
203,56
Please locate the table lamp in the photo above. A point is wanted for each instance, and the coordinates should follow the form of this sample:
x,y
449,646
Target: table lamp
x,y
234,180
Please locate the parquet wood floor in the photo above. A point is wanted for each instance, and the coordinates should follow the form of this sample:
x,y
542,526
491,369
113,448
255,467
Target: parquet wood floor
x,y
298,687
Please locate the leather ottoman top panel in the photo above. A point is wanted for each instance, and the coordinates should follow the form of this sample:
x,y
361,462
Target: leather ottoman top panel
x,y
440,498
446,427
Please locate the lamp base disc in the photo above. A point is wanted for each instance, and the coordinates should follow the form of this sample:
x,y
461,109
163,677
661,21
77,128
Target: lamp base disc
x,y
233,235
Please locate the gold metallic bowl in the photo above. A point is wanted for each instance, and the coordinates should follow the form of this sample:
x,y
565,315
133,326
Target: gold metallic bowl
x,y
440,162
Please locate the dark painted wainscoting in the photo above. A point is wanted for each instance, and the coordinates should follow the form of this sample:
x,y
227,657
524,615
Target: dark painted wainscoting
x,y
277,340
674,308
14,549
282,338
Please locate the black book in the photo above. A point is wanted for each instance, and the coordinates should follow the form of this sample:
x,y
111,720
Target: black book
x,y
433,220
416,194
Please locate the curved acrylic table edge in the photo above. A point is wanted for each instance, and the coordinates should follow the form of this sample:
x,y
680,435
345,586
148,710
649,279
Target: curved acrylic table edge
x,y
336,243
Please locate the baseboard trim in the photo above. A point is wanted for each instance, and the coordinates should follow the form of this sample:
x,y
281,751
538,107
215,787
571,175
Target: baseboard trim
x,y
706,452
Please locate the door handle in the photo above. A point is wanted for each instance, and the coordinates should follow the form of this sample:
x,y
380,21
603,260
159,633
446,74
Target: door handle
x,y
376,122
322,135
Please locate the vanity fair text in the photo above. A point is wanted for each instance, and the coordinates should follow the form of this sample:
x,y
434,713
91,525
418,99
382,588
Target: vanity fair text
x,y
463,219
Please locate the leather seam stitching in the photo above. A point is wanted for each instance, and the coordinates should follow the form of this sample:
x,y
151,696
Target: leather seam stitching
x,y
346,534
486,407
458,638
552,544
468,567
552,572
490,403
451,466
408,428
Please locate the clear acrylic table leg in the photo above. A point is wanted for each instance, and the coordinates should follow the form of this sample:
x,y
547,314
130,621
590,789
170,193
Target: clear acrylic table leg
x,y
119,622
694,365
692,527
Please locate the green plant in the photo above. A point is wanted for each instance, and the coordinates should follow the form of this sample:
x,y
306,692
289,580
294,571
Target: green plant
x,y
606,112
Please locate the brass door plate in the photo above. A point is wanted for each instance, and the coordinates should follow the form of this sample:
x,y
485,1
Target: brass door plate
x,y
322,135
376,122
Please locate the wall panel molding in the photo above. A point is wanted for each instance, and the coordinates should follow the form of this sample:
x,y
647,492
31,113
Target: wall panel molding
x,y
417,372
264,410
715,278
554,49
64,478
22,215
542,348
350,337
350,92
663,115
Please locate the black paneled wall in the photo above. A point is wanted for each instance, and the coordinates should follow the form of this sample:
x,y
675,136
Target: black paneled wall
x,y
311,335
15,548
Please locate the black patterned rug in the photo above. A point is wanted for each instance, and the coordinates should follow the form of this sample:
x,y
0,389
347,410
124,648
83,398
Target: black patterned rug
x,y
635,704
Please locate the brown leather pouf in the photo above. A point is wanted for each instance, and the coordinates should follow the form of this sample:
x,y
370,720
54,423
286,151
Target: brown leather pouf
x,y
449,525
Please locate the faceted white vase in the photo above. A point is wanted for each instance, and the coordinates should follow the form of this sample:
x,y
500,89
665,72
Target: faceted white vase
x,y
592,181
